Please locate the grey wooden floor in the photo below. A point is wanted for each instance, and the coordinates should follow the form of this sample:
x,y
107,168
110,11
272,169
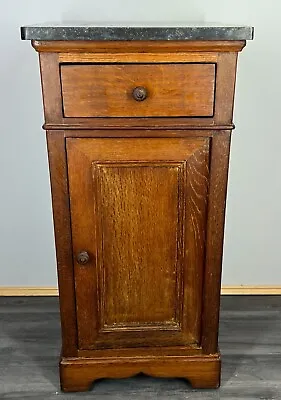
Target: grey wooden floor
x,y
250,341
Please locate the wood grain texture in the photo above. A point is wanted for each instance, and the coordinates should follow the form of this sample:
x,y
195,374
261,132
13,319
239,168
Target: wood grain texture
x,y
138,133
202,372
171,46
164,351
106,90
61,215
133,57
141,228
195,236
147,200
50,82
144,126
214,244
225,87
226,66
131,255
249,341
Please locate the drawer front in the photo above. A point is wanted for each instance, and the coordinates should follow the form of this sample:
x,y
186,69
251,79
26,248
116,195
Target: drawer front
x,y
138,90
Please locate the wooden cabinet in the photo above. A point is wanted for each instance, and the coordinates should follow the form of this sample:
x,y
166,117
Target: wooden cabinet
x,y
138,139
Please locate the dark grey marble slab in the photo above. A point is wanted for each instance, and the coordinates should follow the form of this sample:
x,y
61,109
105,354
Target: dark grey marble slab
x,y
161,32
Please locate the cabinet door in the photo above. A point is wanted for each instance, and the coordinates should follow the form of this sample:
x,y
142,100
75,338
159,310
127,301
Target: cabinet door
x,y
138,208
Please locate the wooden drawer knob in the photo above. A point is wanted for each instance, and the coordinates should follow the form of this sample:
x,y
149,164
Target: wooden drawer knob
x,y
83,258
140,93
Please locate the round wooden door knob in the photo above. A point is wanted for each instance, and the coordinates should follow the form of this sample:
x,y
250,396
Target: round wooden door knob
x,y
140,93
83,258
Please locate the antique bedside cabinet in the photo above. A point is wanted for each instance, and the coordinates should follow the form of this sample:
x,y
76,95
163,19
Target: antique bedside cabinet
x,y
138,123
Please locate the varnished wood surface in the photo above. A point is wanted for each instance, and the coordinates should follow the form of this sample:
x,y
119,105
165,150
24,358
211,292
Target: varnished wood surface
x,y
62,230
214,240
142,127
201,371
225,85
105,313
223,54
100,90
249,341
138,206
125,47
126,195
50,83
133,57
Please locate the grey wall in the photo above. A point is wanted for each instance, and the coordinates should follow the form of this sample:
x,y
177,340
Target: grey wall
x,y
253,225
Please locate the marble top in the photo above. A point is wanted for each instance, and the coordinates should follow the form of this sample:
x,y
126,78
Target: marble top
x,y
144,31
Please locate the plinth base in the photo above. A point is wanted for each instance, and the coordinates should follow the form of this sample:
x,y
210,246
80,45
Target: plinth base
x,y
202,371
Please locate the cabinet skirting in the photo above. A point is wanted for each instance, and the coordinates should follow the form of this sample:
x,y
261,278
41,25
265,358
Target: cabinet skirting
x,y
78,374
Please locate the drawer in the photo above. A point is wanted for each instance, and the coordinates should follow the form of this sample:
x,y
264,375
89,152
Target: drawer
x,y
138,90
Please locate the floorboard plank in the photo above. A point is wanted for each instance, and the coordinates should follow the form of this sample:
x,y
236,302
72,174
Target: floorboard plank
x,y
250,343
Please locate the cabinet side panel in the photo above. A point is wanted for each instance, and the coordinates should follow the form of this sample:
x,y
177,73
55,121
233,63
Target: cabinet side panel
x,y
50,81
61,215
215,234
225,87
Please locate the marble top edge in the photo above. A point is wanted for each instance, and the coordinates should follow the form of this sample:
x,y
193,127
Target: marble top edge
x,y
89,31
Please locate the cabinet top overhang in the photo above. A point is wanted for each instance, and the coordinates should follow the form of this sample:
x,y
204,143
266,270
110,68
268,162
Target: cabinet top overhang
x,y
76,31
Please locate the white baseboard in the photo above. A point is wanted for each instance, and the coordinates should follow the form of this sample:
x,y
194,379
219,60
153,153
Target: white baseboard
x,y
226,290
